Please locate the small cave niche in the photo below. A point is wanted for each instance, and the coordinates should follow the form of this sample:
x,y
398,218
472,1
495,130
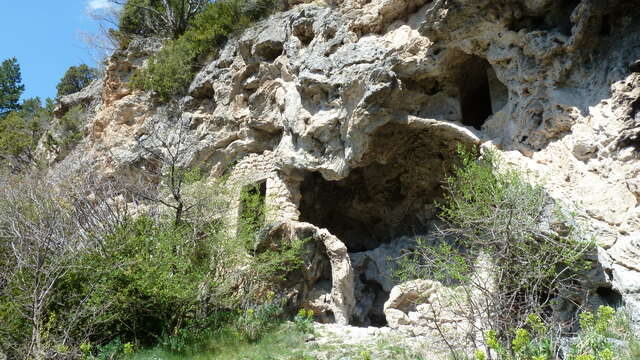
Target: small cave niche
x,y
560,16
609,296
605,25
481,92
389,198
377,296
557,17
303,30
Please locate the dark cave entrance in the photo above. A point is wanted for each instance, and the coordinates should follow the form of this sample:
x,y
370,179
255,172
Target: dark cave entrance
x,y
390,197
610,296
481,93
557,17
378,296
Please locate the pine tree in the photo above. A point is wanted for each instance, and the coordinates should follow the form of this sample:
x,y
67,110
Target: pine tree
x,y
11,86
75,79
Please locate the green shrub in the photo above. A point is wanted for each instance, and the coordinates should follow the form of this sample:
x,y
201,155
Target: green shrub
x,y
159,18
252,214
169,72
64,135
15,137
144,281
304,321
593,341
21,130
75,79
135,20
255,322
494,243
126,282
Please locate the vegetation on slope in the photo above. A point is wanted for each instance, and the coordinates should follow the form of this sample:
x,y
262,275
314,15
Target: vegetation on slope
x,y
170,71
23,124
499,251
75,79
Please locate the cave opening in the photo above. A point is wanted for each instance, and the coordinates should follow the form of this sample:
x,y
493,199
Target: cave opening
x,y
557,17
381,205
605,26
481,92
390,197
377,297
609,296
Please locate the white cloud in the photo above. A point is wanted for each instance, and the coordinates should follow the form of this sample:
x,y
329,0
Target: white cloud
x,y
96,5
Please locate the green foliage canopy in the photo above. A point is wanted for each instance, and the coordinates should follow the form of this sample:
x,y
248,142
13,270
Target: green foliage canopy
x,y
496,243
20,131
75,79
169,18
11,86
170,71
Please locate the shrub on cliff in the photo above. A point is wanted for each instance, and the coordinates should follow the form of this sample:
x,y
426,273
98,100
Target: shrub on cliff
x,y
158,17
498,245
75,79
64,135
169,72
20,131
604,335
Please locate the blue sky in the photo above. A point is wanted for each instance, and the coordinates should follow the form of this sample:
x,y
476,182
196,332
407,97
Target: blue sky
x,y
46,38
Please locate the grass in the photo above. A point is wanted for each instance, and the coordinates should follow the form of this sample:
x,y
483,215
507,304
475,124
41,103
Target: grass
x,y
285,343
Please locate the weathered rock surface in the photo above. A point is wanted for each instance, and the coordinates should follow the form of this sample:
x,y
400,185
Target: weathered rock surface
x,y
405,299
370,99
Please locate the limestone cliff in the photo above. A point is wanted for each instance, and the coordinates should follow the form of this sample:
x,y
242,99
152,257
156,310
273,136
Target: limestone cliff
x,y
350,113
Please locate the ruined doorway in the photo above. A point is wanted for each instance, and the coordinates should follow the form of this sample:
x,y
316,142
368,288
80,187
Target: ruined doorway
x,y
251,212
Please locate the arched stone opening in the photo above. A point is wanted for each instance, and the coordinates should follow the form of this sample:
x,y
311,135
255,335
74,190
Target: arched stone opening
x,y
480,91
381,206
389,197
609,296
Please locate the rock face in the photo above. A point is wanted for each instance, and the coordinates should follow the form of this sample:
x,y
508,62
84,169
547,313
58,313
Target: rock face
x,y
406,298
351,112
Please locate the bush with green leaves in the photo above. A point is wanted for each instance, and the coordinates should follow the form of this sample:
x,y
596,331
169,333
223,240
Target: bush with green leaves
x,y
146,280
304,321
496,242
20,132
103,281
252,214
594,341
158,17
135,20
65,134
75,79
259,320
170,71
